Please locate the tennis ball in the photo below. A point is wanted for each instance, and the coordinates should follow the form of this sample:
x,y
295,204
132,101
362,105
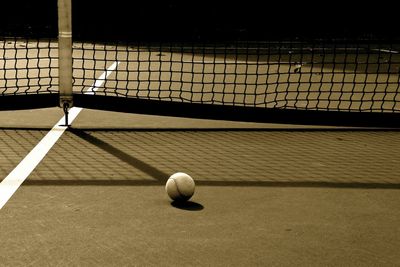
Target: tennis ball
x,y
180,186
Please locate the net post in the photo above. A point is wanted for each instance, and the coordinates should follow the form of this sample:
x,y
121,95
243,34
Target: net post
x,y
65,54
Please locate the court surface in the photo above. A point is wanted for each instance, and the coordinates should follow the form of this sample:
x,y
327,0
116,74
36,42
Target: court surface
x,y
270,195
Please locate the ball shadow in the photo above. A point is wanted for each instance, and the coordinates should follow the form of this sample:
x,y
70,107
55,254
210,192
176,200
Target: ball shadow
x,y
187,205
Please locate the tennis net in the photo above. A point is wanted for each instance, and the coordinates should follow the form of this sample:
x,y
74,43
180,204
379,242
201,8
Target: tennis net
x,y
199,71
336,76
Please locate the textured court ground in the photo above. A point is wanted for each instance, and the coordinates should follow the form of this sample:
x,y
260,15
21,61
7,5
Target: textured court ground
x,y
266,194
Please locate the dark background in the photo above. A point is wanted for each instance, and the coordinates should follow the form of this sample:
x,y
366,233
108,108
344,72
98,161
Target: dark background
x,y
202,20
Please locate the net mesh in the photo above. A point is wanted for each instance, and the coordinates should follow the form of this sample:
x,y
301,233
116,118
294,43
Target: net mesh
x,y
28,66
338,76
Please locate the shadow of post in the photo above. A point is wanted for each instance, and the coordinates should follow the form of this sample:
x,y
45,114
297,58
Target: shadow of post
x,y
157,174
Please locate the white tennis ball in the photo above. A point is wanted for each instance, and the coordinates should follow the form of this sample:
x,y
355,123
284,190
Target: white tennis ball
x,y
180,186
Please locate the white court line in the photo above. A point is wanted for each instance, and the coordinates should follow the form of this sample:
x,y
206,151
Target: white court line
x,y
16,177
387,51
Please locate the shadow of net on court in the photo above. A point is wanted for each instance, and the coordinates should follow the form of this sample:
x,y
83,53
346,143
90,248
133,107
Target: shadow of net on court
x,y
294,158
